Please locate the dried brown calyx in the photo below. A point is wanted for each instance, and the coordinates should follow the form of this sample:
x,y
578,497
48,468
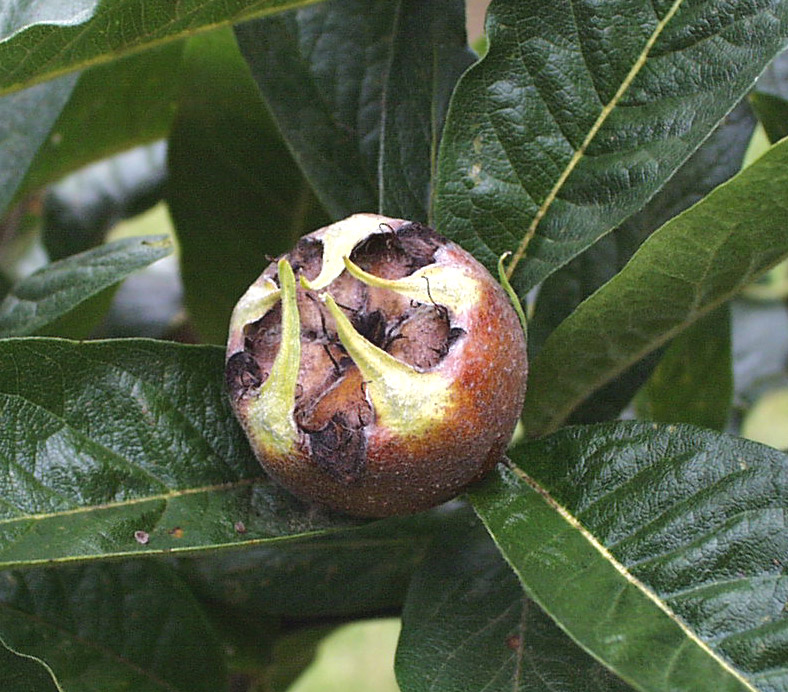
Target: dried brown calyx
x,y
362,367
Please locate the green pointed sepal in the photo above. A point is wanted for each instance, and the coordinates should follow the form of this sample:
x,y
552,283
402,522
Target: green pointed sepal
x,y
270,419
407,402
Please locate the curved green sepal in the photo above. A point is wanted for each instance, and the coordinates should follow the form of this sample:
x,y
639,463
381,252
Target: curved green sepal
x,y
435,283
270,418
504,281
406,401
256,302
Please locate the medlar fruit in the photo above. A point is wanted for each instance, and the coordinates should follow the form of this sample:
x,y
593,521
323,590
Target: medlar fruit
x,y
376,369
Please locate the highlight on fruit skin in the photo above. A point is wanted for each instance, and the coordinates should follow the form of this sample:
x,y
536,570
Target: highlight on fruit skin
x,y
377,368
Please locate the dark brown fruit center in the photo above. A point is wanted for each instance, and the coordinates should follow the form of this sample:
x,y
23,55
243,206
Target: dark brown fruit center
x,y
332,409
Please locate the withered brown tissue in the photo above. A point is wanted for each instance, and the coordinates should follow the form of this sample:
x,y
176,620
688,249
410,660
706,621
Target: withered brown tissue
x,y
407,378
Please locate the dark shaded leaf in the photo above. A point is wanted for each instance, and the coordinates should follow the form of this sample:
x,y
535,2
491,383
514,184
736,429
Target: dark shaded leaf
x,y
322,70
693,382
772,111
41,40
261,655
234,192
51,292
363,572
129,448
26,119
660,549
609,401
581,111
292,653
125,626
429,52
113,108
468,626
694,263
23,673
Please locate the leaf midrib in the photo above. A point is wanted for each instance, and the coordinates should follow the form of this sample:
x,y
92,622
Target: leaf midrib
x,y
165,497
607,109
575,525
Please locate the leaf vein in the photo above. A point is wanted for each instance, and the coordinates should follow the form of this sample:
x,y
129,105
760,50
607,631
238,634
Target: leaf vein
x,y
607,109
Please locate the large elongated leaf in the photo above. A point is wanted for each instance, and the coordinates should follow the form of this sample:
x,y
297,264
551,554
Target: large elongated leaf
x,y
235,193
57,288
684,270
333,74
131,626
322,71
128,448
429,51
718,159
661,550
25,121
468,626
113,108
41,40
24,673
581,111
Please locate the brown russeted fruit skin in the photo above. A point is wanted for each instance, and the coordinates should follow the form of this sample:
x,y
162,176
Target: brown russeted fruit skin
x,y
456,401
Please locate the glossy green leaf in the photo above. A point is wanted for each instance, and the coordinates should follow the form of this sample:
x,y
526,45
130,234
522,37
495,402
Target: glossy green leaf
x,y
113,108
659,549
692,264
123,626
322,72
54,290
581,111
26,119
235,194
23,673
718,159
39,41
693,382
467,626
429,52
129,448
